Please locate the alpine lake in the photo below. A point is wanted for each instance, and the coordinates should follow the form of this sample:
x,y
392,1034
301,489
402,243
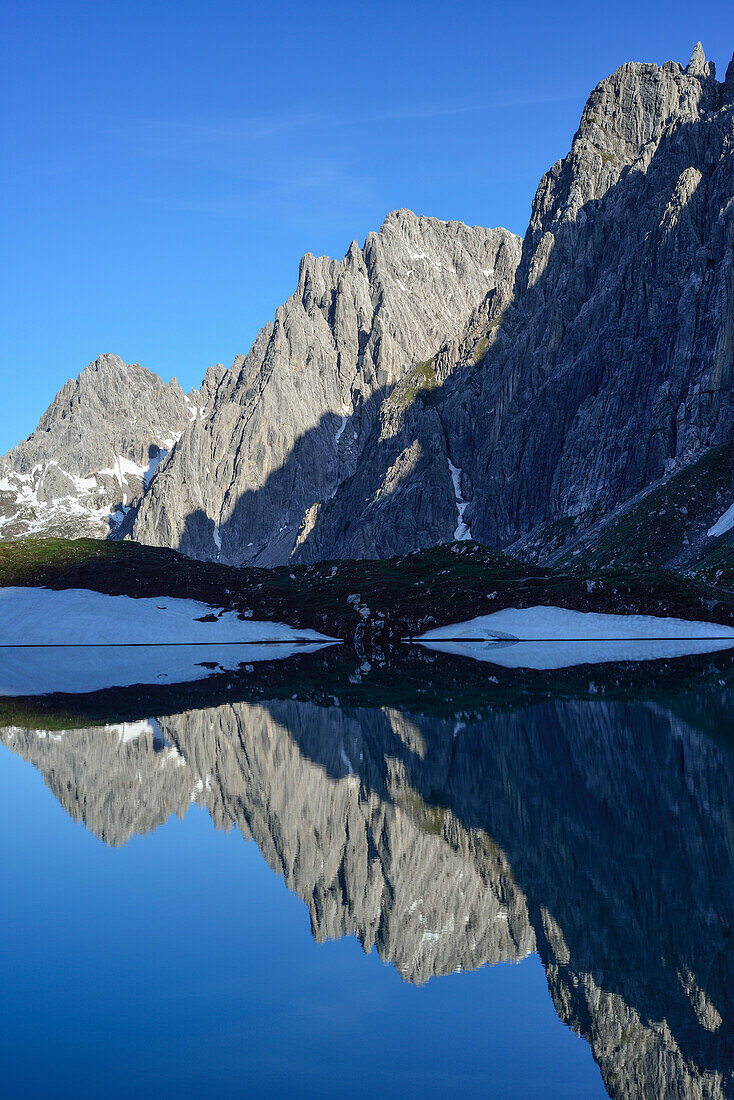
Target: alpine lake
x,y
324,875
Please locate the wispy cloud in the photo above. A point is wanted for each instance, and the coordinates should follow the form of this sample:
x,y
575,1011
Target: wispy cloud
x,y
194,139
300,165
327,186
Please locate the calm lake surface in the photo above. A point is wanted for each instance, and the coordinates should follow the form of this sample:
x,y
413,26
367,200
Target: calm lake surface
x,y
360,895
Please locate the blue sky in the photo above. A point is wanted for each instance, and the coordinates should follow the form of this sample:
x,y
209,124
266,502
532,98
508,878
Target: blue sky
x,y
165,165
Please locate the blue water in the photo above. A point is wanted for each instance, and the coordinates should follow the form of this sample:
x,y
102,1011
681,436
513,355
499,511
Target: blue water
x,y
232,889
180,965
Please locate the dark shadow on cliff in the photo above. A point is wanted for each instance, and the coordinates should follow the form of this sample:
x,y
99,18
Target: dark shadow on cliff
x,y
398,494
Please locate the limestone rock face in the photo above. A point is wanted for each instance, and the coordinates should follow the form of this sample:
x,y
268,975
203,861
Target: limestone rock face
x,y
291,421
561,388
610,368
445,382
96,448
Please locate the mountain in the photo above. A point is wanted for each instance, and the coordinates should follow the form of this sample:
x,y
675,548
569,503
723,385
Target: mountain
x,y
611,368
292,420
452,842
570,397
592,373
96,449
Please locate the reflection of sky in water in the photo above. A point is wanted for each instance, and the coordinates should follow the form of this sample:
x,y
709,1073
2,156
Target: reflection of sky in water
x,y
180,965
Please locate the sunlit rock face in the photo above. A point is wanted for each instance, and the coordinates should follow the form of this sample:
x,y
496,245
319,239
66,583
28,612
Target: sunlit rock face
x,y
291,422
611,367
96,448
443,381
597,834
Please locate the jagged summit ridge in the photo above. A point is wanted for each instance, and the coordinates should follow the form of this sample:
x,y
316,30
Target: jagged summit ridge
x,y
292,417
570,386
589,384
96,448
443,381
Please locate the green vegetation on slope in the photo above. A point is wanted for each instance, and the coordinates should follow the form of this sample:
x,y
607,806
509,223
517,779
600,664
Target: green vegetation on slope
x,y
40,561
661,528
717,566
421,379
372,605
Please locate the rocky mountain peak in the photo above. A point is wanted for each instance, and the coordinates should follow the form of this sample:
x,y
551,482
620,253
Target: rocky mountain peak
x,y
729,78
207,391
445,381
587,384
107,361
621,124
105,382
96,449
698,66
289,421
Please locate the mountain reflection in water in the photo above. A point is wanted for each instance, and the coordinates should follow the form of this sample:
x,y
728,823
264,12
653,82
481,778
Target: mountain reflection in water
x,y
598,833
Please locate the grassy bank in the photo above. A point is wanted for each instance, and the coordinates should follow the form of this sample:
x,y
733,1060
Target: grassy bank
x,y
370,604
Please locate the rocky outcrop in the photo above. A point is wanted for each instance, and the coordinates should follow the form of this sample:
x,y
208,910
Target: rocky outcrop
x,y
444,382
96,449
612,365
293,419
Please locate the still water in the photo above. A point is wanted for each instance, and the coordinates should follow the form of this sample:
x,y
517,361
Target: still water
x,y
329,896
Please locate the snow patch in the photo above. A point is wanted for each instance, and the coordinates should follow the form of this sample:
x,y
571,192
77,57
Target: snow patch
x,y
175,757
81,484
122,469
87,503
555,637
723,524
78,616
463,531
196,412
340,430
545,623
153,466
132,731
434,263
